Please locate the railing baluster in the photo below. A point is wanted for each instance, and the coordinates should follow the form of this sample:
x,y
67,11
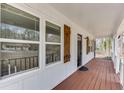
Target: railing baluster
x,y
25,62
9,69
33,61
37,61
1,67
15,68
20,64
29,62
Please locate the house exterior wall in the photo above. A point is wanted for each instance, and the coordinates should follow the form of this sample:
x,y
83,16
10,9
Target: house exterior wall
x,y
47,77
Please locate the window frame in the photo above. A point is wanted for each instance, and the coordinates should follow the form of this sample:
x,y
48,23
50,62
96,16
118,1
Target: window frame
x,y
28,71
53,43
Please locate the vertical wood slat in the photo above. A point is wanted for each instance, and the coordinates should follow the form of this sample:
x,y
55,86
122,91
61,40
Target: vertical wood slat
x,y
90,77
67,33
92,84
103,78
108,79
98,82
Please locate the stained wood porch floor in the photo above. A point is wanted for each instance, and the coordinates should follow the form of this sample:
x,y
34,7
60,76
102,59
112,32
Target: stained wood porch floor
x,y
100,76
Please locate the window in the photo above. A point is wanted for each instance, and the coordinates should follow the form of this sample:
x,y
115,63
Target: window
x,y
19,44
52,33
17,24
53,43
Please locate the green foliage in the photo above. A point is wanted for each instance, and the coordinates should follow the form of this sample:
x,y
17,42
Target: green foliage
x,y
104,45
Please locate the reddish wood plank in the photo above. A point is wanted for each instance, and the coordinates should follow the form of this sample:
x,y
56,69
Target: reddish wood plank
x,y
101,75
112,79
91,86
108,83
90,77
98,82
84,80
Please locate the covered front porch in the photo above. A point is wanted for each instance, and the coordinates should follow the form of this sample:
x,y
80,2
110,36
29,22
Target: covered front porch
x,y
100,76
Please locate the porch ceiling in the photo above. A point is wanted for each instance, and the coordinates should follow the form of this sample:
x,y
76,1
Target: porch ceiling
x,y
99,19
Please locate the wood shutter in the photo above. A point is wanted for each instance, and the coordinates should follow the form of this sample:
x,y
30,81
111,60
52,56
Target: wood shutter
x,y
67,33
87,45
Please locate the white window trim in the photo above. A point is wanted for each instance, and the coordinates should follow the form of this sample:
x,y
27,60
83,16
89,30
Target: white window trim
x,y
28,71
53,43
18,41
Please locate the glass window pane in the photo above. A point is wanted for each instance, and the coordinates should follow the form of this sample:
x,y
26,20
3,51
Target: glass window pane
x,y
4,68
17,24
53,53
19,56
53,33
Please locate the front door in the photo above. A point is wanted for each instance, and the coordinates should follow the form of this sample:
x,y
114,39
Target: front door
x,y
79,50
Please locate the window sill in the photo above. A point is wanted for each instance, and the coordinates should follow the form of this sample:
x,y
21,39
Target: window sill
x,y
19,74
53,64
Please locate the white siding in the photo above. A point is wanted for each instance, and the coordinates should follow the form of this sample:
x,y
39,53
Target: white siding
x,y
48,77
